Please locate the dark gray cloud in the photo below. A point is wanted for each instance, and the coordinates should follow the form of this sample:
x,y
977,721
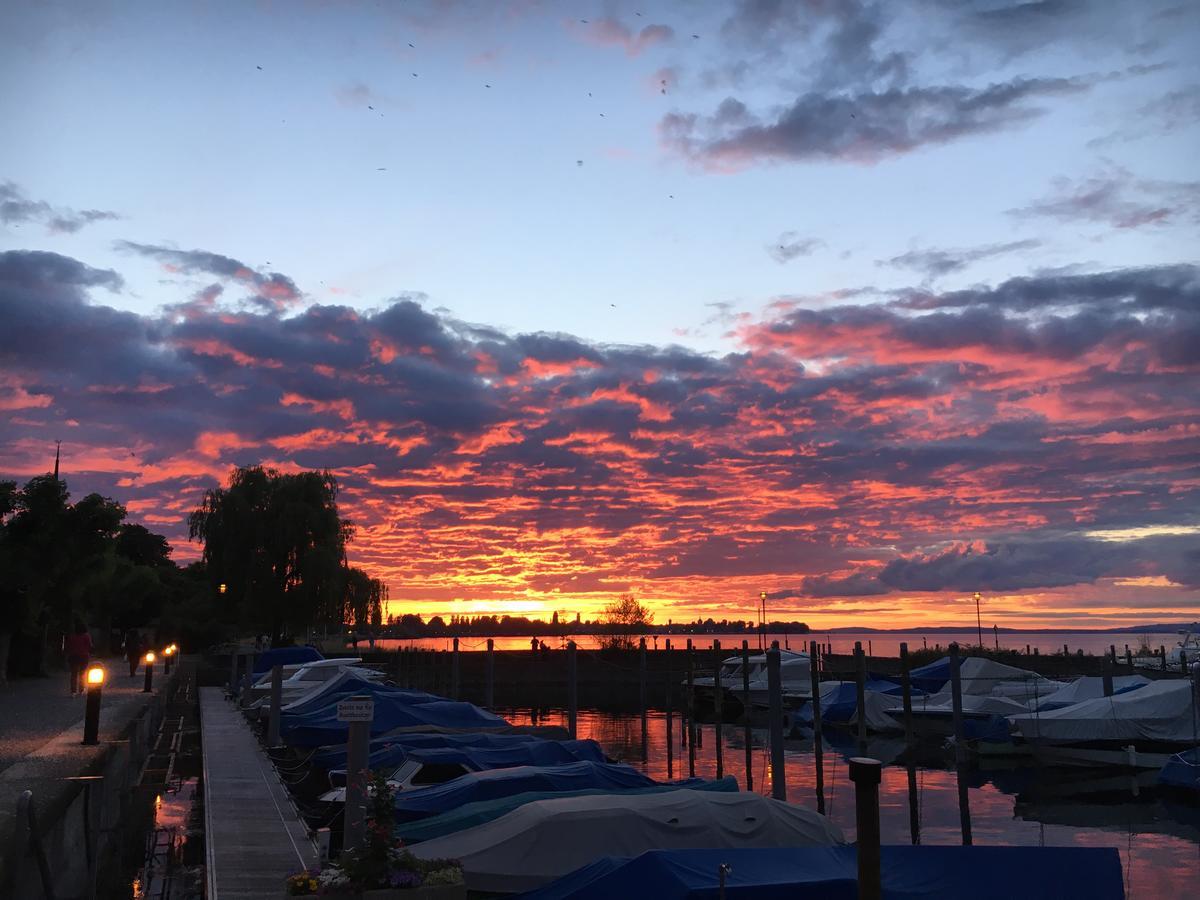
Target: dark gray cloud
x,y
935,262
17,209
1119,200
859,584
271,290
790,245
858,127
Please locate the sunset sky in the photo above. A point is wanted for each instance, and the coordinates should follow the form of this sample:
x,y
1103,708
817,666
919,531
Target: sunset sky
x,y
869,306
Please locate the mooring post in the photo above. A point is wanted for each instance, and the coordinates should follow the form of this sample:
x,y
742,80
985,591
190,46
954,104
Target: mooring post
x,y
775,701
1128,658
642,697
1112,652
489,675
717,709
814,673
454,672
691,710
276,706
746,709
670,717
1106,677
860,686
358,712
572,691
914,806
906,694
866,774
1066,650
1162,655
960,747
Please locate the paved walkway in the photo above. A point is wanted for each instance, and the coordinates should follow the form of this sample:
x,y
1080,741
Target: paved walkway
x,y
35,710
253,837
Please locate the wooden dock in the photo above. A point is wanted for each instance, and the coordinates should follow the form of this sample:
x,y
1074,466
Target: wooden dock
x,y
253,837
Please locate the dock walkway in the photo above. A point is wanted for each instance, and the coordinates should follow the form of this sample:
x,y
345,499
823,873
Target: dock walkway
x,y
252,835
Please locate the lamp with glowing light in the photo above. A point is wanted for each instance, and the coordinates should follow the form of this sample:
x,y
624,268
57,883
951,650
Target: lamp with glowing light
x,y
148,687
222,588
91,716
168,657
978,620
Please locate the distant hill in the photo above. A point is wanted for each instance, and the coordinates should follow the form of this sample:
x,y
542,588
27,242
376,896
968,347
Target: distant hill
x,y
1161,627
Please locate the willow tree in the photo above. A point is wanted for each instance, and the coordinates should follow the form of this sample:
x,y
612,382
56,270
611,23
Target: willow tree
x,y
277,544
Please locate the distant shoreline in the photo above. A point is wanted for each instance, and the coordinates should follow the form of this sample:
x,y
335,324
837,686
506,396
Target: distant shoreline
x,y
1155,628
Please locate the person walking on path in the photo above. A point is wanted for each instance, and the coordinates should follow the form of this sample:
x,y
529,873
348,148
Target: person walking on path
x,y
133,649
78,647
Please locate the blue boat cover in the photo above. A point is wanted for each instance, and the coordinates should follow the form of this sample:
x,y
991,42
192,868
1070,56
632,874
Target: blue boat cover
x,y
496,783
993,729
831,873
392,711
479,759
285,656
931,678
349,684
1182,771
483,811
381,752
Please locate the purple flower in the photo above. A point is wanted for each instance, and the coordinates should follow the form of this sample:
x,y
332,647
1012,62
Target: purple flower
x,y
404,879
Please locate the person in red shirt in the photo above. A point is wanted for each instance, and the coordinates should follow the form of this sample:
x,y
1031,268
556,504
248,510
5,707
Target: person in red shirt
x,y
78,648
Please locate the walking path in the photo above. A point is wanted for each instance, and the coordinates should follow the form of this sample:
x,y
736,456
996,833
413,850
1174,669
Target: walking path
x,y
253,838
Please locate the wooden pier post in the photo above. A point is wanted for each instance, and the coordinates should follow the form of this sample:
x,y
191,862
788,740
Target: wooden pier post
x,y
276,705
642,697
747,709
906,694
1112,652
1128,658
354,822
775,724
670,717
866,775
814,673
914,806
860,684
1106,677
1162,655
717,747
454,672
691,710
572,691
489,675
960,748
1066,650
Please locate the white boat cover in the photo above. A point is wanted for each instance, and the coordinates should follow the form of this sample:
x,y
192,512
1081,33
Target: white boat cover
x,y
1088,687
543,840
839,704
1160,711
986,677
942,703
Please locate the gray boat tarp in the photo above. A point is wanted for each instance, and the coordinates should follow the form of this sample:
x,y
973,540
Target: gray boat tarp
x,y
1088,687
831,873
544,840
1161,711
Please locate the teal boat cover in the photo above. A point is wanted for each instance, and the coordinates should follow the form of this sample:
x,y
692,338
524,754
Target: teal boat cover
x,y
497,783
480,812
831,873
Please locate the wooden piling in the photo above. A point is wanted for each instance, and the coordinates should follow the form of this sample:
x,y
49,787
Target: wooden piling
x,y
717,709
775,725
642,696
572,691
1112,652
960,747
814,673
691,710
746,710
670,717
906,694
1107,675
490,676
1128,658
860,685
454,673
866,775
1162,655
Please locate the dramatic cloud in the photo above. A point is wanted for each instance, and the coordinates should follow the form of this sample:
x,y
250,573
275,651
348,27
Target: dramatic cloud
x,y
935,263
17,209
857,127
1119,200
790,245
269,291
1017,438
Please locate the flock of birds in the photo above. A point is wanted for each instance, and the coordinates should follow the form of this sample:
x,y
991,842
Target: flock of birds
x,y
578,162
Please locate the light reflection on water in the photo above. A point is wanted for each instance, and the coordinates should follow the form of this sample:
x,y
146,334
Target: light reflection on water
x,y
1158,837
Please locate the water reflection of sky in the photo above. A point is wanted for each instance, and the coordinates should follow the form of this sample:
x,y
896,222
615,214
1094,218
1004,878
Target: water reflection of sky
x,y
1159,839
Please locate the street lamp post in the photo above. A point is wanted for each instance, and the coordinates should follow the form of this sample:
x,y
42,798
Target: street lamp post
x,y
148,687
762,628
978,621
168,656
91,715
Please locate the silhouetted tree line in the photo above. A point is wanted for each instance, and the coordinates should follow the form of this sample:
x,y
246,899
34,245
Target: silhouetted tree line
x,y
414,626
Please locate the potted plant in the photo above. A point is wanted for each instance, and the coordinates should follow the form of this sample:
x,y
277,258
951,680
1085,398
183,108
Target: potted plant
x,y
381,869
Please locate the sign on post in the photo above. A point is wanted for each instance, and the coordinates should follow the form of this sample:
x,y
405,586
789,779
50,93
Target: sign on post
x,y
356,709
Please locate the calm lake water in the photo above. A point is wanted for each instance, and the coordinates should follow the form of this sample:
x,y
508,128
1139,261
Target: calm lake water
x,y
877,644
1158,837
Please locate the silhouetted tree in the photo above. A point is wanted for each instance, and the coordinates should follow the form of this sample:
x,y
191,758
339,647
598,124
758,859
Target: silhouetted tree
x,y
625,617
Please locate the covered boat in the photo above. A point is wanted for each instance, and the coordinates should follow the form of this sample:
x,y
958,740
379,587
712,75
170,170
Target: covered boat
x,y
839,706
471,814
1182,772
547,839
383,749
831,873
1088,687
395,712
285,656
795,674
1138,729
496,783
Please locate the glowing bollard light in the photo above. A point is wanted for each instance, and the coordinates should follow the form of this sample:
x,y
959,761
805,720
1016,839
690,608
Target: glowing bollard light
x,y
91,715
149,661
168,656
